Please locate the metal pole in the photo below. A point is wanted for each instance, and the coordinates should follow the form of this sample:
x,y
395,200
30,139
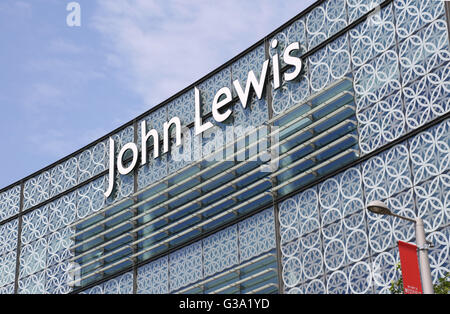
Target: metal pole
x,y
424,263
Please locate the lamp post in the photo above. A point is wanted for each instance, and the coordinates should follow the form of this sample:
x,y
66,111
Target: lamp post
x,y
378,207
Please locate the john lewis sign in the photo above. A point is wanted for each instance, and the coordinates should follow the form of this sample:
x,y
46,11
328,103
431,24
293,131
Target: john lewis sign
x,y
222,98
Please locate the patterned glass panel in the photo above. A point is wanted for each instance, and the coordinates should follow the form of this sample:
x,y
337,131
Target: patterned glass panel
x,y
123,187
385,231
424,51
328,224
183,107
381,123
119,285
340,240
252,61
8,237
439,255
377,79
8,289
427,98
360,277
325,21
94,290
220,251
357,8
373,36
123,184
57,278
430,153
154,170
412,15
256,235
214,140
9,203
153,278
34,284
211,86
156,120
33,258
329,64
63,177
181,156
185,266
59,244
92,161
91,198
36,190
62,212
8,246
7,268
35,225
337,282
46,242
296,32
387,174
384,272
433,202
123,137
344,217
290,93
255,115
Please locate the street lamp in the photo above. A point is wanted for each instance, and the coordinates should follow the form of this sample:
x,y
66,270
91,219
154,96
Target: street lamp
x,y
379,208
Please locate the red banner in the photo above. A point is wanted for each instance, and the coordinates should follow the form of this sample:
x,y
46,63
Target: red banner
x,y
410,268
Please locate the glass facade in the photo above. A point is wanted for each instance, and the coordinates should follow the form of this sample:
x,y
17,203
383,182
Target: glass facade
x,y
271,200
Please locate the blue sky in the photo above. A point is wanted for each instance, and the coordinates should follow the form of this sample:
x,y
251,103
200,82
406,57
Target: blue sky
x,y
63,87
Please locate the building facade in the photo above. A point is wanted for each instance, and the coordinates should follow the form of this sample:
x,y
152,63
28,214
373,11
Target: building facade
x,y
271,196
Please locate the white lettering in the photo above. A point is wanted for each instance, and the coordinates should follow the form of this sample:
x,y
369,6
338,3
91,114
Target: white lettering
x,y
199,128
144,138
123,170
111,168
219,103
222,98
176,121
252,81
290,60
276,67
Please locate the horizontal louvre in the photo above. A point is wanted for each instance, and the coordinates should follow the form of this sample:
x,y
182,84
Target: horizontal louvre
x,y
252,275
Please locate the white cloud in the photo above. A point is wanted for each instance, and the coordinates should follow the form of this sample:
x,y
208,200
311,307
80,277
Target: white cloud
x,y
59,142
65,47
159,47
51,142
41,94
18,8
